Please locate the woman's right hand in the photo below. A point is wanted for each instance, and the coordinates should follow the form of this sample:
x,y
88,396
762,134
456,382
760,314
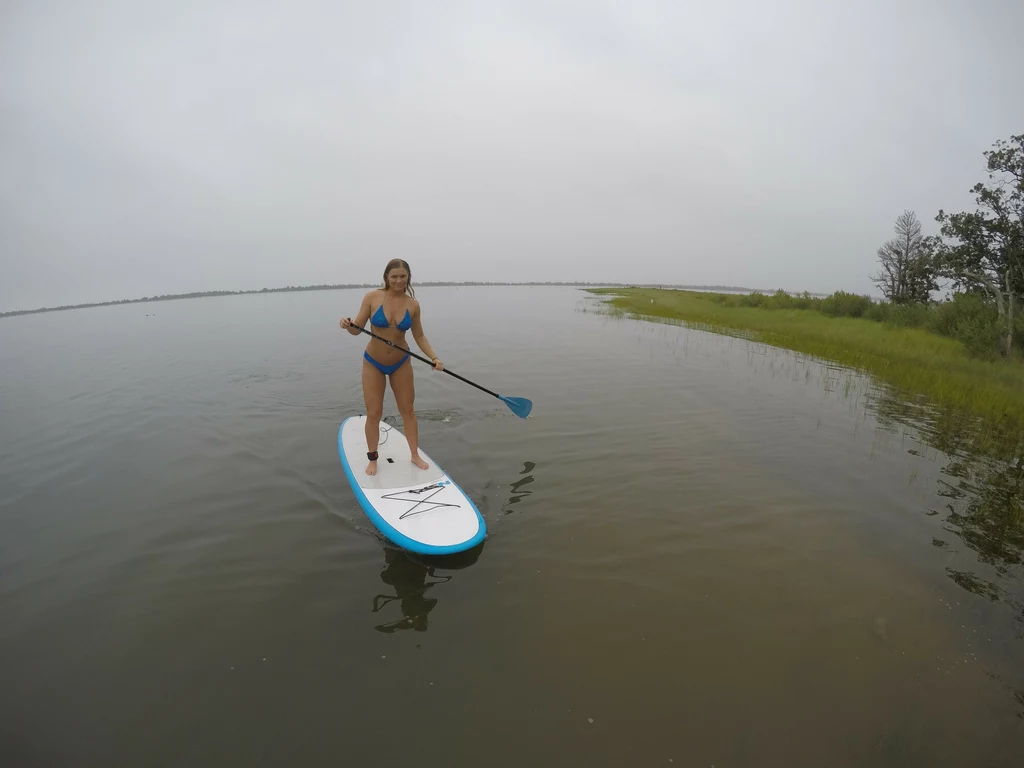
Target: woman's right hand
x,y
345,323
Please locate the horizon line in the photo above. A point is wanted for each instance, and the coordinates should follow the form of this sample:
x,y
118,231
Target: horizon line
x,y
348,286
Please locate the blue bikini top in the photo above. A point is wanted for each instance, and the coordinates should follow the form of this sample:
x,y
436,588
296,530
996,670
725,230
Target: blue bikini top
x,y
380,320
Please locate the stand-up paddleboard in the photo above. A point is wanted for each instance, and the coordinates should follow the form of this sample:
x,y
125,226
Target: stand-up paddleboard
x,y
421,510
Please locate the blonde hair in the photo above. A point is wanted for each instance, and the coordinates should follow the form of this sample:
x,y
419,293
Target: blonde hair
x,y
394,264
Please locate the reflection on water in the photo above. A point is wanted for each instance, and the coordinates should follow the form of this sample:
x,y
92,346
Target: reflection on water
x,y
410,576
981,491
519,490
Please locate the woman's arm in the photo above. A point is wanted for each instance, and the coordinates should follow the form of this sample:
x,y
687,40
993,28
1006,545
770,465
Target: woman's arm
x,y
353,326
421,339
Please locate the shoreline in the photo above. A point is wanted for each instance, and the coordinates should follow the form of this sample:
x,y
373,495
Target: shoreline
x,y
913,361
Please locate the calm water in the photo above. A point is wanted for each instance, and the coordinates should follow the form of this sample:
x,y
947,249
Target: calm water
x,y
701,551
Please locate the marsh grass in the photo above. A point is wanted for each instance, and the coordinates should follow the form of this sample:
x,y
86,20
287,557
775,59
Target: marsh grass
x,y
914,360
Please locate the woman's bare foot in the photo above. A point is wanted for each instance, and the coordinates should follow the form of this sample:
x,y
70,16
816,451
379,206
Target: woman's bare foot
x,y
371,468
419,462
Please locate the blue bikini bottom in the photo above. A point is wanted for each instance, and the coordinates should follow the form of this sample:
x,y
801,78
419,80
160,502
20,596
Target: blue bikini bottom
x,y
387,370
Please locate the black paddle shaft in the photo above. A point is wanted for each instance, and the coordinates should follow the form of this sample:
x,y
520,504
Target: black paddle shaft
x,y
430,363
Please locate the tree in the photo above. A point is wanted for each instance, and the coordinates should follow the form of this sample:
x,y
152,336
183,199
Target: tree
x,y
907,275
987,248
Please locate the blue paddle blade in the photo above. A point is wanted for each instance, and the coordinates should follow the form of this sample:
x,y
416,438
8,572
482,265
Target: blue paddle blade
x,y
520,406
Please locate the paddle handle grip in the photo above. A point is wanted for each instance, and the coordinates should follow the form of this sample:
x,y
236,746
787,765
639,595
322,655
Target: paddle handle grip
x,y
429,362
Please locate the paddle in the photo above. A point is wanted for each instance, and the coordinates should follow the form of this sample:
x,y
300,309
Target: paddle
x,y
520,406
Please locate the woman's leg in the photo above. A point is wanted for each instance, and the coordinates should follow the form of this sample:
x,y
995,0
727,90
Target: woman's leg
x,y
405,392
374,383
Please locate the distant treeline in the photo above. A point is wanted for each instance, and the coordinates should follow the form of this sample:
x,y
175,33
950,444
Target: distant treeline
x,y
343,286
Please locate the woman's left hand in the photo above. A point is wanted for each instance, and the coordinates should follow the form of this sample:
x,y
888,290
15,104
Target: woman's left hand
x,y
438,365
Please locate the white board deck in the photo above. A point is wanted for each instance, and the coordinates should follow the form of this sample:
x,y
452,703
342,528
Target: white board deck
x,y
421,510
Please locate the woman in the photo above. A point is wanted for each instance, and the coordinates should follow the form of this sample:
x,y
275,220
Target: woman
x,y
391,310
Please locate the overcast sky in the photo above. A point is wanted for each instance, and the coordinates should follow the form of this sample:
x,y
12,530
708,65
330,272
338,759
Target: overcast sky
x,y
191,145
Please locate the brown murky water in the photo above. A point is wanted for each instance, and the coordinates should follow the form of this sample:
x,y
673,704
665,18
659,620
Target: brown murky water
x,y
701,551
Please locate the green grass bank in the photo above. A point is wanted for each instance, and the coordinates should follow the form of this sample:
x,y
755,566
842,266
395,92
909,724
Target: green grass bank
x,y
899,347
